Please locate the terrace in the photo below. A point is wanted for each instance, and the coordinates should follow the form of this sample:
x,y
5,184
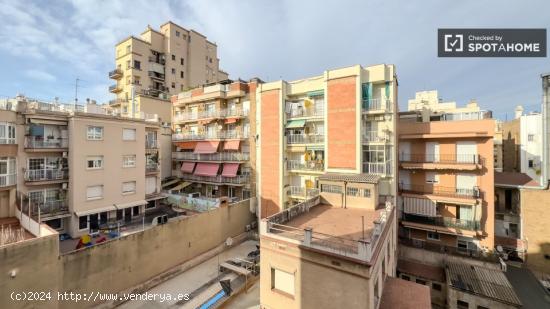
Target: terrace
x,y
330,229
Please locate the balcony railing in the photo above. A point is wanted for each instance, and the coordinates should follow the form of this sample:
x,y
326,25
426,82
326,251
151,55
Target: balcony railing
x,y
219,113
305,139
375,136
151,168
306,112
220,156
378,168
52,208
40,142
443,221
213,135
151,144
159,60
239,179
473,192
479,115
46,174
377,105
156,75
114,89
115,74
305,166
303,192
435,247
441,158
8,180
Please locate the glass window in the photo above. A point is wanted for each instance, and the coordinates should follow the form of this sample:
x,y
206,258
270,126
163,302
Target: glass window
x,y
129,161
137,65
135,211
128,187
129,134
365,192
331,188
95,133
433,236
83,223
174,57
95,162
350,191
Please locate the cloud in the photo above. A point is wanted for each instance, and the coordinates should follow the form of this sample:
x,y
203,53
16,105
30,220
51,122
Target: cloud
x,y
40,75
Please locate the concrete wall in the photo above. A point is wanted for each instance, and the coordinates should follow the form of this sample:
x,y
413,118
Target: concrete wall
x,y
535,211
119,264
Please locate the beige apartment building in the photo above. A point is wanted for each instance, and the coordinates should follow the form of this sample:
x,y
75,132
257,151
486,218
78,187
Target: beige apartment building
x,y
76,167
160,63
446,179
342,121
214,140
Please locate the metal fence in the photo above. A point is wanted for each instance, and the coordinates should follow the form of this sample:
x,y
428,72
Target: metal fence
x,y
46,174
441,158
473,192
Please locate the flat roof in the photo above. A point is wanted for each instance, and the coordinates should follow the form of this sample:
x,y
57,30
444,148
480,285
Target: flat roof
x,y
401,294
486,282
433,273
514,179
337,221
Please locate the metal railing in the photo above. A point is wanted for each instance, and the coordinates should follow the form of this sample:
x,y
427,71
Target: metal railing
x,y
115,73
218,113
8,141
151,144
46,174
219,156
306,112
376,136
213,135
377,105
435,189
151,168
41,142
303,192
239,179
378,168
443,221
8,104
439,248
305,139
52,208
479,115
8,180
305,166
441,158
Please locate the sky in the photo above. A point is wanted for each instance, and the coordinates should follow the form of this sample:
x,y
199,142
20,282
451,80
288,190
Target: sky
x,y
46,45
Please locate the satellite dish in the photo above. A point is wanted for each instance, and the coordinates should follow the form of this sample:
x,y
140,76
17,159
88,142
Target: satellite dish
x,y
229,241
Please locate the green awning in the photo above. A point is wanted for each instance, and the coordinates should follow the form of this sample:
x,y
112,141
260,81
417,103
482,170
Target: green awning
x,y
316,93
316,147
293,124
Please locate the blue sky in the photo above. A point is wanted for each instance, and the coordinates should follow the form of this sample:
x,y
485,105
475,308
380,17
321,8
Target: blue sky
x,y
46,45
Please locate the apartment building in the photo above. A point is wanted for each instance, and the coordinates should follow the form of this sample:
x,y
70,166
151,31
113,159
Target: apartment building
x,y
342,121
214,139
8,158
77,167
160,63
446,180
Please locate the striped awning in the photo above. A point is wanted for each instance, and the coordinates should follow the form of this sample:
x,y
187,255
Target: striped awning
x,y
207,147
231,145
295,124
207,169
230,169
186,145
187,167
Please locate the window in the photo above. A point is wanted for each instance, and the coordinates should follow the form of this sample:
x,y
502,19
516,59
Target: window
x,y
94,192
129,134
135,211
420,281
436,286
95,162
433,236
95,133
119,214
181,74
173,85
461,304
365,192
282,281
405,277
182,61
352,191
331,188
531,137
173,71
7,133
150,205
83,223
531,163
129,187
129,161
55,224
177,33
432,177
137,65
174,57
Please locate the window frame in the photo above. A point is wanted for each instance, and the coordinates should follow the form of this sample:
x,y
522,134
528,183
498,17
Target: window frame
x,y
129,129
94,136
129,192
94,159
433,238
124,161
88,198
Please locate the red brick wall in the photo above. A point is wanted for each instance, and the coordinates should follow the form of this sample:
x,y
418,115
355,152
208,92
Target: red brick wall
x,y
342,123
270,158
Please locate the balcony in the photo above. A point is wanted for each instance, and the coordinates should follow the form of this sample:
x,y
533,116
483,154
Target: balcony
x,y
115,74
305,139
151,144
8,180
209,136
53,208
238,180
376,137
317,112
46,174
159,60
378,168
297,165
469,193
115,89
376,105
440,248
117,102
302,192
157,76
219,156
441,161
152,168
443,221
38,142
212,114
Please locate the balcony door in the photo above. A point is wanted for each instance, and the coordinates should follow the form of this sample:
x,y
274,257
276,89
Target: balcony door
x,y
432,152
465,184
466,152
405,151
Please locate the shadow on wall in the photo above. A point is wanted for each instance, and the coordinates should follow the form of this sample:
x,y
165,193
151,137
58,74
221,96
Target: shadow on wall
x,y
540,261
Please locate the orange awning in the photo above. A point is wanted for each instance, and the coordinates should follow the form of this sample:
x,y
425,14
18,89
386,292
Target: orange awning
x,y
231,145
207,169
230,120
187,167
230,169
207,147
186,145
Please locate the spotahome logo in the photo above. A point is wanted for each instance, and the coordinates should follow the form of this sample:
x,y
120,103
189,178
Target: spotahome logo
x,y
491,42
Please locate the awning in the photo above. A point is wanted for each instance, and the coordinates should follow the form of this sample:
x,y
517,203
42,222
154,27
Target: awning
x,y
230,120
180,186
131,204
94,211
295,124
231,145
230,169
207,147
187,167
157,197
186,145
316,93
207,169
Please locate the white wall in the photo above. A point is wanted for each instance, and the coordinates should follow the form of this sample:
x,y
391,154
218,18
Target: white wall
x,y
531,150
